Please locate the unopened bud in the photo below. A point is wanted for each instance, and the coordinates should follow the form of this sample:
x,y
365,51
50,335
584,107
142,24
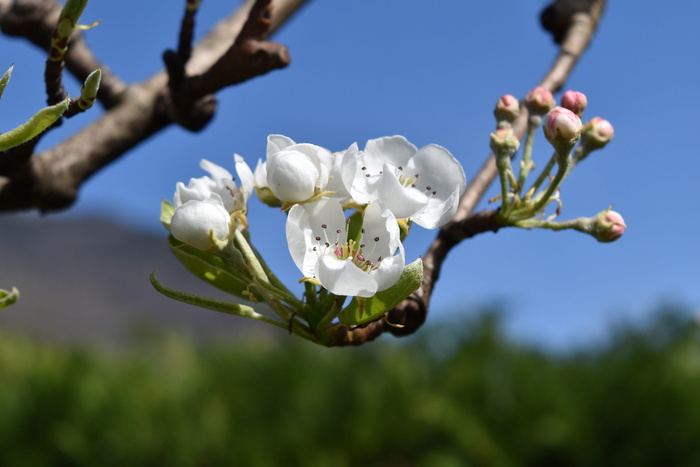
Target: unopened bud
x,y
597,133
88,93
574,101
609,226
504,141
507,109
539,101
562,127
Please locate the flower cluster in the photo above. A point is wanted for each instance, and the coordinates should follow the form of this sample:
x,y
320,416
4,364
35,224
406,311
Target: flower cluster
x,y
390,180
347,213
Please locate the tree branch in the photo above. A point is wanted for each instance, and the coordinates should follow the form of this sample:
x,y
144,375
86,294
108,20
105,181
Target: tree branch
x,y
35,20
412,312
50,181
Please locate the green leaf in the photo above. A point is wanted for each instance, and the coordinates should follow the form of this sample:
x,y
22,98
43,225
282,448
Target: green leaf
x,y
362,311
32,127
8,298
73,9
212,269
167,209
5,79
206,302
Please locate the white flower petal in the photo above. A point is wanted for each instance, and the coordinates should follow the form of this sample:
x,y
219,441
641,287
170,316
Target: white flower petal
x,y
438,212
217,172
404,202
197,189
245,176
343,277
293,173
329,213
389,271
300,248
381,226
275,143
193,221
438,170
395,149
220,182
260,174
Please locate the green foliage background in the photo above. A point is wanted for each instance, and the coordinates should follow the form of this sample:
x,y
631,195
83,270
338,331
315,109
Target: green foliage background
x,y
460,395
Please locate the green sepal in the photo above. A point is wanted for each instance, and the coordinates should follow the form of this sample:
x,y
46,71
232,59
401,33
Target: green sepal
x,y
206,302
167,209
211,269
365,310
35,125
8,298
5,79
266,195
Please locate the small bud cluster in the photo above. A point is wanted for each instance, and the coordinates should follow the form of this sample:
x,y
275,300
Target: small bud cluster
x,y
572,141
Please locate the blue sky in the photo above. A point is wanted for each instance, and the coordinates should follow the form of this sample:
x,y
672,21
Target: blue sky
x,y
433,72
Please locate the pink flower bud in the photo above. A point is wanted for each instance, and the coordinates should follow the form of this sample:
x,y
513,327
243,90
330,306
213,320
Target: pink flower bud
x,y
562,126
609,226
574,101
504,139
539,101
507,108
597,133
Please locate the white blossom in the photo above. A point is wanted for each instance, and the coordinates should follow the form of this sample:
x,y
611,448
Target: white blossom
x,y
196,221
296,172
423,185
317,237
205,206
219,181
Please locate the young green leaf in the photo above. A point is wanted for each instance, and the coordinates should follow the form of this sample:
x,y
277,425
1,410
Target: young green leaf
x,y
35,125
212,269
5,79
362,311
8,298
206,302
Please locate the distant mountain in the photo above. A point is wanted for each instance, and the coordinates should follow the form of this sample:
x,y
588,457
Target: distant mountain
x,y
86,280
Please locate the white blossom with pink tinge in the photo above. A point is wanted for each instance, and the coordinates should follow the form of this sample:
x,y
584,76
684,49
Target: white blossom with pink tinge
x,y
317,237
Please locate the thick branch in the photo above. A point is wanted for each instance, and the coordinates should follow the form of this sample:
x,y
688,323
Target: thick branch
x,y
412,312
50,180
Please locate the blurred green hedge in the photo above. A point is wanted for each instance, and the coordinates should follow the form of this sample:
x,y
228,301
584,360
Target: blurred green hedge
x,y
456,396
